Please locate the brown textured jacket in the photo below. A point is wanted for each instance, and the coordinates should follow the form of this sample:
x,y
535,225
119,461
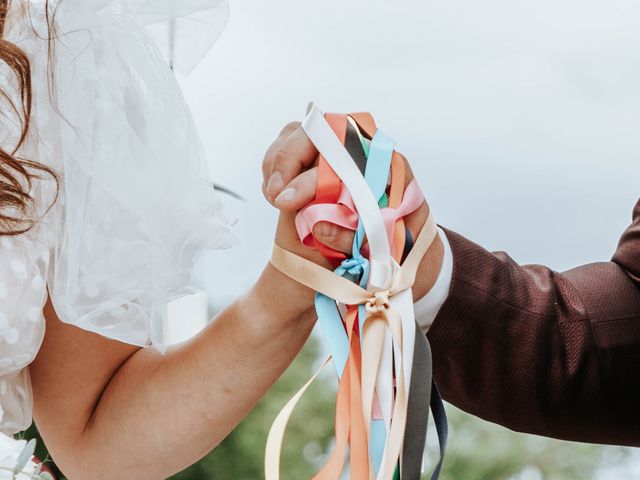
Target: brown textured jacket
x,y
555,354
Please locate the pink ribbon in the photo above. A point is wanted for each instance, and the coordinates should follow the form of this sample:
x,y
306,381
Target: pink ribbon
x,y
344,213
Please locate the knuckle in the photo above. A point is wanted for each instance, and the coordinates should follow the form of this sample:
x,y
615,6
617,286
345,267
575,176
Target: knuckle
x,y
408,170
280,157
266,162
290,127
268,158
345,243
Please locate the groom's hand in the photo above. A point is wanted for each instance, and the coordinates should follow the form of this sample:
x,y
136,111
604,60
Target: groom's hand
x,y
290,175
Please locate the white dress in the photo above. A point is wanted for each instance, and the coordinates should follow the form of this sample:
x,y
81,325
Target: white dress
x,y
136,203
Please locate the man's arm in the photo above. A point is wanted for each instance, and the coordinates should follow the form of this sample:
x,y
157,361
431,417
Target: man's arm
x,y
555,354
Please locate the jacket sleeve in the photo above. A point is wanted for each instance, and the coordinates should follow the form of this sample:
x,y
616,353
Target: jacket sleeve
x,y
554,354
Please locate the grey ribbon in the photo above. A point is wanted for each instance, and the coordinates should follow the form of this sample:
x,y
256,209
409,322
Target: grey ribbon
x,y
422,387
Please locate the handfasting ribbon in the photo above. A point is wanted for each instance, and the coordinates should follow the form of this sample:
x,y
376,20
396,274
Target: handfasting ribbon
x,y
422,385
382,145
348,293
376,174
328,186
329,146
344,214
274,440
344,291
417,410
350,422
328,192
384,389
373,340
366,122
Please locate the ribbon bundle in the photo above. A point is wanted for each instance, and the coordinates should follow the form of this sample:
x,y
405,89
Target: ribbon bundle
x,y
365,306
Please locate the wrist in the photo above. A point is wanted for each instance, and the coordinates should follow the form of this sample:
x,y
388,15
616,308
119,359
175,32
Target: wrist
x,y
429,269
285,299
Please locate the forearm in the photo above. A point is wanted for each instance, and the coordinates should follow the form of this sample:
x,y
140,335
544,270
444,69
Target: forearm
x,y
161,413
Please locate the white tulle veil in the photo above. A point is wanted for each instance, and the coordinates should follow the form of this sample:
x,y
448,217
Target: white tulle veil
x,y
136,201
184,31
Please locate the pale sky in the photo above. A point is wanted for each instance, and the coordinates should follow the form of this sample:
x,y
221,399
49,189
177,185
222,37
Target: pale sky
x,y
520,118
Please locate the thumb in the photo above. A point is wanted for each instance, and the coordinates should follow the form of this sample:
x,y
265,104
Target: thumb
x,y
333,236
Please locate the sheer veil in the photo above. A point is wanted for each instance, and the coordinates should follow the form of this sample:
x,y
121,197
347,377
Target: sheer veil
x,y
184,31
136,201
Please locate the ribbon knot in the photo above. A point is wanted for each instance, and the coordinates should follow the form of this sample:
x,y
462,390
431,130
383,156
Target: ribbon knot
x,y
379,302
355,266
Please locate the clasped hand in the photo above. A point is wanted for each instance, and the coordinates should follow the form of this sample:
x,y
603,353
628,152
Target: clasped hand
x,y
290,174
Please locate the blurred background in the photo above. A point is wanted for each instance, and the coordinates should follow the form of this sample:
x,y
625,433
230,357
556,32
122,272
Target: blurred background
x,y
520,119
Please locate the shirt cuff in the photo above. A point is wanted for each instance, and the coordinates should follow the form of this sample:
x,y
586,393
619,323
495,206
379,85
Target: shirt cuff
x,y
427,307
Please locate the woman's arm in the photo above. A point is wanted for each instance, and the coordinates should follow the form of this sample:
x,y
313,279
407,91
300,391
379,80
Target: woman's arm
x,y
110,410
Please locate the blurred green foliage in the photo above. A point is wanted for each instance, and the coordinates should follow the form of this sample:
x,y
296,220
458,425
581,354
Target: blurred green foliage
x,y
241,455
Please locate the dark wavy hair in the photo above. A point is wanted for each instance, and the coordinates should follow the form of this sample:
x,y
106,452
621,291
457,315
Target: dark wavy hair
x,y
17,206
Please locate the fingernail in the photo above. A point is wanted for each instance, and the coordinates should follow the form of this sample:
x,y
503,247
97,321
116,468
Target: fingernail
x,y
286,195
327,230
275,183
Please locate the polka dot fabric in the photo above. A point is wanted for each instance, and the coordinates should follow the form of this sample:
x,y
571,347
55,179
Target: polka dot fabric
x,y
23,267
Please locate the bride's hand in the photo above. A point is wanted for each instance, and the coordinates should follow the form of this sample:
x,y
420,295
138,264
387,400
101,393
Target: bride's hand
x,y
289,183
